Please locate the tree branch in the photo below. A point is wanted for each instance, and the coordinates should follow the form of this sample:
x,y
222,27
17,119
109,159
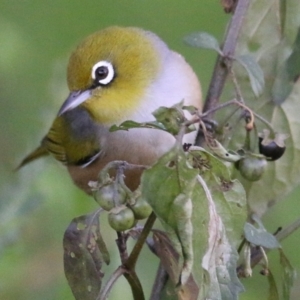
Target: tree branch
x,y
223,63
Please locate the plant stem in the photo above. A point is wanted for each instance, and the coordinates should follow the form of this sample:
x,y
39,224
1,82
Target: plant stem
x,y
128,262
129,273
135,284
131,261
121,243
223,62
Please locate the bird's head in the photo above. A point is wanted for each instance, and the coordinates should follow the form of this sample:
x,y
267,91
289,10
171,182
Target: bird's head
x,y
109,72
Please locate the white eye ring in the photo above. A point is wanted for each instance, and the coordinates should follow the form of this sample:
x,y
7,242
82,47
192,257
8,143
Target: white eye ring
x,y
103,72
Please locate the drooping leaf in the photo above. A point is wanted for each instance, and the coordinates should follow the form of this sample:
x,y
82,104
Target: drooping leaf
x,y
169,258
220,260
273,291
168,187
254,71
203,40
288,275
229,195
84,254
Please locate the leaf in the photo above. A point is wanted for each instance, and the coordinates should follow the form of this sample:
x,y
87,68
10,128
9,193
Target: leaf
x,y
273,292
132,124
168,187
288,275
84,253
254,71
288,70
170,261
172,118
260,237
293,61
229,195
220,260
203,40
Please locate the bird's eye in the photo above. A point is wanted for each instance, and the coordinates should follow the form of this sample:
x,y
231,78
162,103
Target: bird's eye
x,y
103,73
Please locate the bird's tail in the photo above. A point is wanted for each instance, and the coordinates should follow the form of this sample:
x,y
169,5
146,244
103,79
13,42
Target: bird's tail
x,y
37,153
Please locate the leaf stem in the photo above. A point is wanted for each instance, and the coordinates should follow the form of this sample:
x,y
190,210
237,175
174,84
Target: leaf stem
x,y
130,262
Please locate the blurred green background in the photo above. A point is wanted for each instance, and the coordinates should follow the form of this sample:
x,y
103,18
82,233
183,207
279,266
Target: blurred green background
x,y
38,202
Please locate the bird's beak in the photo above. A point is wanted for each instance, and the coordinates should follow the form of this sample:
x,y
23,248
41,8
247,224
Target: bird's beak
x,y
74,99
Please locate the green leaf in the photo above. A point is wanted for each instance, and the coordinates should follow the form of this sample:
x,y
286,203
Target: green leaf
x,y
254,71
273,292
132,124
288,275
260,237
220,260
203,40
168,187
171,187
293,61
169,258
229,195
172,118
84,253
288,70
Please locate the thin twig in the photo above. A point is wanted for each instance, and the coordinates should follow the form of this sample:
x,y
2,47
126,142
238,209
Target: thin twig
x,y
282,234
109,284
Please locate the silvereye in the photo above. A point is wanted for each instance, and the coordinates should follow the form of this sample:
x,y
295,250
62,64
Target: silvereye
x,y
114,75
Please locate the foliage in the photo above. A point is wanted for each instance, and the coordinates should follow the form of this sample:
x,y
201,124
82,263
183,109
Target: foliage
x,y
202,196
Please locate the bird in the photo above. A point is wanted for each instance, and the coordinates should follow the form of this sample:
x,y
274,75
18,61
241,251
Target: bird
x,y
117,74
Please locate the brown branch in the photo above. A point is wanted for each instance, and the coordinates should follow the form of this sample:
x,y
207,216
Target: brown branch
x,y
223,63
